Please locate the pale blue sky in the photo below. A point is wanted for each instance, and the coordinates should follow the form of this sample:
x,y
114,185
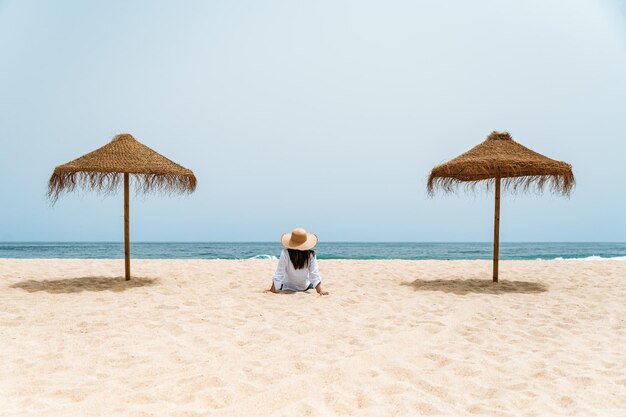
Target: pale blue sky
x,y
323,114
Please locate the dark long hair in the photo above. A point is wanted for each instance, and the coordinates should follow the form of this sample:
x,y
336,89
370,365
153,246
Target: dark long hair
x,y
300,258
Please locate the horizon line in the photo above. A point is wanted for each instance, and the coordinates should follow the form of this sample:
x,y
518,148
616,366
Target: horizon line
x,y
278,243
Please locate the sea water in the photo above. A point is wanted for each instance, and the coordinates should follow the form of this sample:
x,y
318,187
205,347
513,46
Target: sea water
x,y
324,250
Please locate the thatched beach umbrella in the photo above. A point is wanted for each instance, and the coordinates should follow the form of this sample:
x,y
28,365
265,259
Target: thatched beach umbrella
x,y
497,161
103,170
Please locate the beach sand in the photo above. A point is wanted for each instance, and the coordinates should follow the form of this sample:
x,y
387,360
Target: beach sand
x,y
395,338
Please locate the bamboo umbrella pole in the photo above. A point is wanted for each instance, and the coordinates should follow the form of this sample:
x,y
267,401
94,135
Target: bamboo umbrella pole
x,y
496,232
126,228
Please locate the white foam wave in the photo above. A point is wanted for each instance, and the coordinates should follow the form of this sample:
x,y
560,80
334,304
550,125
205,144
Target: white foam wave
x,y
593,258
271,257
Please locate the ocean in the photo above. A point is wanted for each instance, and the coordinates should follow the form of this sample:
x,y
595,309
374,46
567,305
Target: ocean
x,y
324,250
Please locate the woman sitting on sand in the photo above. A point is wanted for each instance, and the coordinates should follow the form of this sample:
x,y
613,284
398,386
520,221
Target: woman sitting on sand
x,y
297,266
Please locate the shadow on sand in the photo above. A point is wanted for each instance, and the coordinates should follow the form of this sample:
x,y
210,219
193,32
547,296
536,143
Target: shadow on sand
x,y
73,285
483,286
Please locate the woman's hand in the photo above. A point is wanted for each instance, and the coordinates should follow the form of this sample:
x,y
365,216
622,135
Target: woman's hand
x,y
320,291
273,289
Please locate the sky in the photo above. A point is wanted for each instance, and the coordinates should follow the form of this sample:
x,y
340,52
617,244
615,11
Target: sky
x,y
326,115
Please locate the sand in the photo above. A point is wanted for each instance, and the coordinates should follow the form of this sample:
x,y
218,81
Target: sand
x,y
395,338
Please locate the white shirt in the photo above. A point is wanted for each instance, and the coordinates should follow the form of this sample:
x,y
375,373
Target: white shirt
x,y
293,279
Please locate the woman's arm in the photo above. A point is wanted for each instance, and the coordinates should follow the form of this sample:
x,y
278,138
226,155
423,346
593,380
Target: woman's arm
x,y
314,276
279,275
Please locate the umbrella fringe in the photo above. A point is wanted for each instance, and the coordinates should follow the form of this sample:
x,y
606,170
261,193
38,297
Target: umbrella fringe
x,y
109,182
556,183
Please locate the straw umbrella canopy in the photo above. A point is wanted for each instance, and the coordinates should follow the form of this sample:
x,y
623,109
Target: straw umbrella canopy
x,y
499,161
106,168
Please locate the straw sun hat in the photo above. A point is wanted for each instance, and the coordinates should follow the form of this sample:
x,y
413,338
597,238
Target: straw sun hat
x,y
299,239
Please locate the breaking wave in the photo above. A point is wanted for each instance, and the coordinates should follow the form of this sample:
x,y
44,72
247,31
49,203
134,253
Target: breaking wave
x,y
271,257
593,258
